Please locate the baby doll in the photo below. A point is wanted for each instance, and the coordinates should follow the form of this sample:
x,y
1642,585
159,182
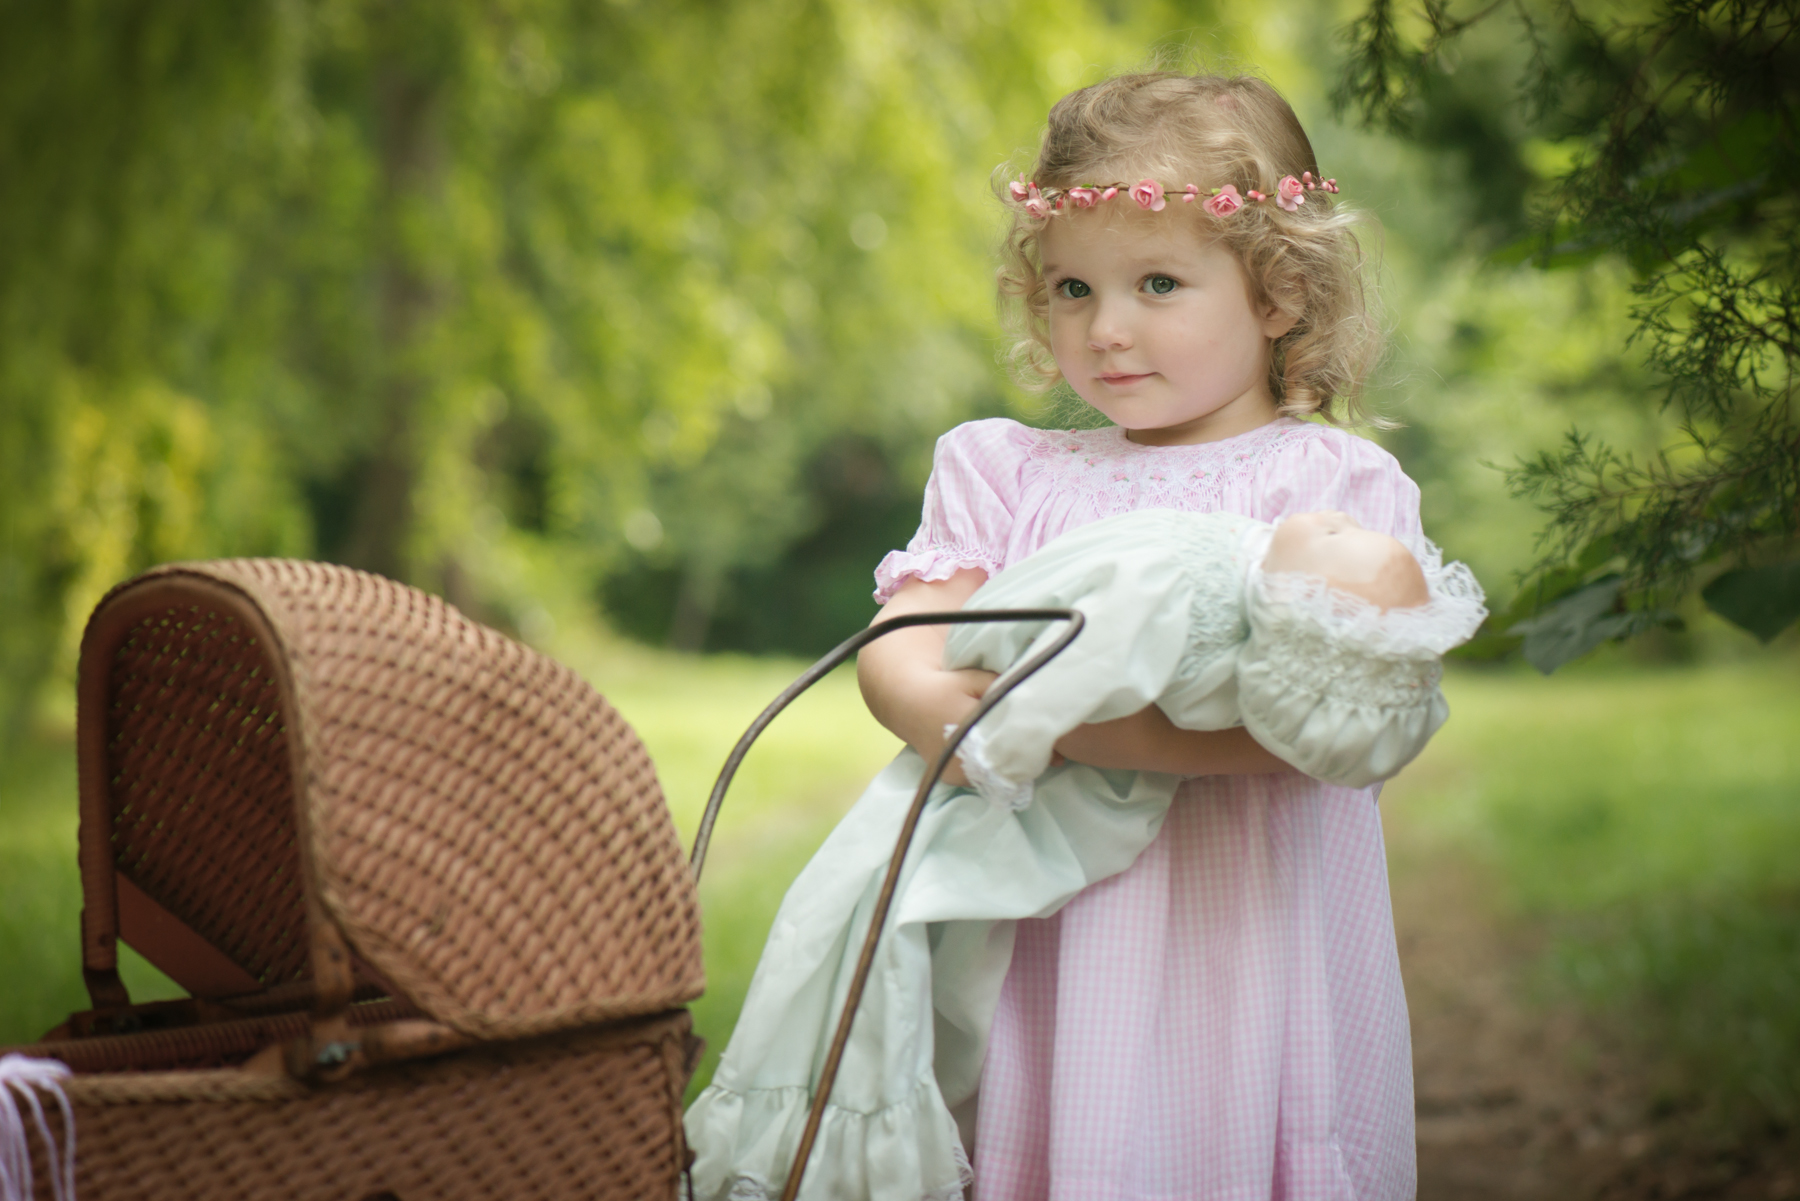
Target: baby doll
x,y
1321,638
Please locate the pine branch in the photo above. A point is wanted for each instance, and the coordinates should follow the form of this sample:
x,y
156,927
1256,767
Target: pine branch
x,y
1691,177
1658,521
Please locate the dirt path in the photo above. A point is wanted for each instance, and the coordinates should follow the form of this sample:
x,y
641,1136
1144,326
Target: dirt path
x,y
1517,1101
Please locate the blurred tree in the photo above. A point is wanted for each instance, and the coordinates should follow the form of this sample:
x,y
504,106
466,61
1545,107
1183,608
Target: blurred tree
x,y
1673,124
500,297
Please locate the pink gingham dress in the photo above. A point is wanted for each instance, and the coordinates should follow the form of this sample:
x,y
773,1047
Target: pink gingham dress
x,y
1224,1020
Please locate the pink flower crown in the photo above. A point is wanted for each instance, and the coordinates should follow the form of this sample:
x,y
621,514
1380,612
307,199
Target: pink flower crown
x,y
1044,203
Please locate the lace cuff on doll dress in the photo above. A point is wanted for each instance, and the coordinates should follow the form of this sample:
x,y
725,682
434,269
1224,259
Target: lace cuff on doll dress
x,y
1344,691
984,777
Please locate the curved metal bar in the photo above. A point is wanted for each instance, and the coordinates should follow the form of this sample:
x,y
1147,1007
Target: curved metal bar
x,y
844,649
878,921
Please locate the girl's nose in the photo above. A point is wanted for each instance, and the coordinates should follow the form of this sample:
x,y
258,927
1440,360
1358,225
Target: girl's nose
x,y
1109,329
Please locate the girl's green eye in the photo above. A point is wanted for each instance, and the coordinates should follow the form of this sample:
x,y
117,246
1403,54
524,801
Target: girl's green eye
x,y
1162,285
1074,289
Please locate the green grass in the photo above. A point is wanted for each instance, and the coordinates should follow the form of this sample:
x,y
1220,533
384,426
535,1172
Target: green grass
x,y
40,898
1649,818
1650,821
802,775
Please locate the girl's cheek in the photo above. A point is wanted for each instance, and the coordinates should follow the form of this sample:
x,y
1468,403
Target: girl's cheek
x,y
1065,338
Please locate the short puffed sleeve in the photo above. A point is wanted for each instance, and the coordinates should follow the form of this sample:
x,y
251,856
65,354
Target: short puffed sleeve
x,y
1327,468
970,501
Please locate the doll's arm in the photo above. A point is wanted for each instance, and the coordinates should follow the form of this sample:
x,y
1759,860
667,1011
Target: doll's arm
x,y
902,675
1149,741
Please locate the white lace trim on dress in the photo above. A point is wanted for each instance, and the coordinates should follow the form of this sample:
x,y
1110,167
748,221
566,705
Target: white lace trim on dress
x,y
984,778
1455,611
1340,688
1320,642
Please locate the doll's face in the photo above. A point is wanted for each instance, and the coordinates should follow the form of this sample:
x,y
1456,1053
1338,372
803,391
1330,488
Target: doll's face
x,y
1153,325
1351,559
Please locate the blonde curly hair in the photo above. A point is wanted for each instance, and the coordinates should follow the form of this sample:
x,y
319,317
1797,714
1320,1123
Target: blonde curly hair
x,y
1212,130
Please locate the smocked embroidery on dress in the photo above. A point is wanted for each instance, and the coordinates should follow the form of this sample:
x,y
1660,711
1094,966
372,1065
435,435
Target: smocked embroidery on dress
x,y
986,468
1123,476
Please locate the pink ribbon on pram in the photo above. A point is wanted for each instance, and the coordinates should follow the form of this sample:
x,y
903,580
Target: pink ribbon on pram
x,y
24,1076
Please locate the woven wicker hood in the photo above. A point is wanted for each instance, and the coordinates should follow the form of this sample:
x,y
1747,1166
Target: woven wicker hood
x,y
262,735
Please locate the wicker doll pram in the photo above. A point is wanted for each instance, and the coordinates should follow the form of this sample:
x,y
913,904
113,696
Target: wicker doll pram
x,y
419,879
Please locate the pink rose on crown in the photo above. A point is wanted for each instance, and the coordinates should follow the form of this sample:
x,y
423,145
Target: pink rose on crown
x,y
1035,204
1017,188
1085,198
1225,202
1149,195
1290,193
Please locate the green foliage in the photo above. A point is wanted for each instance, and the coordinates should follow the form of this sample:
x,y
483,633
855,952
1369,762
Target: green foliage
x,y
40,905
1577,622
1645,819
506,298
1764,600
1673,124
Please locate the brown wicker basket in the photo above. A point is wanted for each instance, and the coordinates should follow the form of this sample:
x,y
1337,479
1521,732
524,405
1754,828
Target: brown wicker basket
x,y
419,880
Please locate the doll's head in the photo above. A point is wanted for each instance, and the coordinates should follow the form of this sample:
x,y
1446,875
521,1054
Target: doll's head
x,y
1349,558
1295,247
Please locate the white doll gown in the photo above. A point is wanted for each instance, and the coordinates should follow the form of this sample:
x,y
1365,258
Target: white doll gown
x,y
1179,615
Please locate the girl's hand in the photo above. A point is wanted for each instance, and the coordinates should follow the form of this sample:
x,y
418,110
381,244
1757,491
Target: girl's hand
x,y
960,692
1149,741
902,675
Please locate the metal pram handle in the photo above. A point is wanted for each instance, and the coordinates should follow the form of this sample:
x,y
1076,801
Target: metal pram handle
x,y
865,963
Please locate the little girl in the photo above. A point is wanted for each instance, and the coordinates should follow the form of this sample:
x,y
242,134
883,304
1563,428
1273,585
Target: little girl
x,y
1225,1018
1321,638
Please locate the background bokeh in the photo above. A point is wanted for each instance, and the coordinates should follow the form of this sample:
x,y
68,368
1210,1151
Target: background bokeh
x,y
643,314
628,328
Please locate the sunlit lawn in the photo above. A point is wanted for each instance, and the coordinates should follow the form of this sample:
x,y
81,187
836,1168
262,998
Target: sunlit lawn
x,y
1650,821
805,771
1650,817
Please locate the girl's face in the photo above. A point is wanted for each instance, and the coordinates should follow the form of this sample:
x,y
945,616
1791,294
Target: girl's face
x,y
1154,327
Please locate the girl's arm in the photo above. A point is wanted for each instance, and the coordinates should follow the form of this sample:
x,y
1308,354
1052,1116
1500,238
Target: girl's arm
x,y
902,675
907,689
1149,741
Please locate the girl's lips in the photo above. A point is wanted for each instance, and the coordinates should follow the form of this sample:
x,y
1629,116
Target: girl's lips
x,y
1119,377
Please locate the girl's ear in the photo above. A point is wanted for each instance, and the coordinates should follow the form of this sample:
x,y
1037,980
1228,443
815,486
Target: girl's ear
x,y
1276,323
